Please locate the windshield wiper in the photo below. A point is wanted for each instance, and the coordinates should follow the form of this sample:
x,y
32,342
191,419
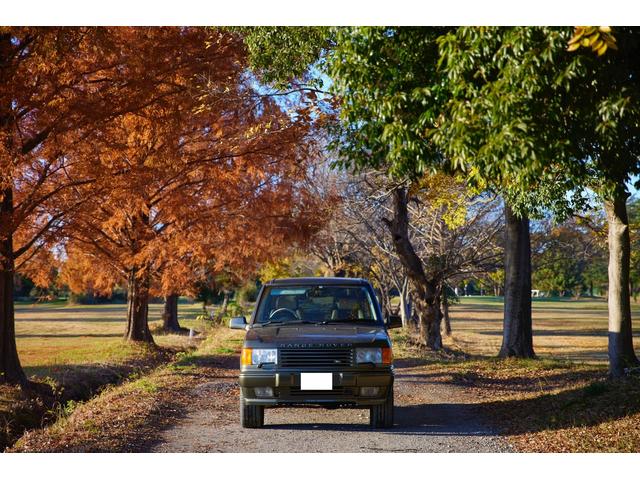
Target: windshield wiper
x,y
282,323
349,320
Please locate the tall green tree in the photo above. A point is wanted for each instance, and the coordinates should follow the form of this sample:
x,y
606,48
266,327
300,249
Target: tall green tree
x,y
391,94
523,107
393,91
385,78
287,57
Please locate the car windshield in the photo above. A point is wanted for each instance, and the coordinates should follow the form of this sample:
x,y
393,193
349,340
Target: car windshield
x,y
316,304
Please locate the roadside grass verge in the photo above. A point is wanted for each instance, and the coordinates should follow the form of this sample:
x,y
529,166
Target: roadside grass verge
x,y
128,417
71,352
551,406
541,405
52,396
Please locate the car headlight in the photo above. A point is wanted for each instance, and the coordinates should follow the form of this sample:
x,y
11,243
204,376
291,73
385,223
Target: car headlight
x,y
257,356
368,355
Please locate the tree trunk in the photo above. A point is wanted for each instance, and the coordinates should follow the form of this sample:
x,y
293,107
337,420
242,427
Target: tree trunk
x,y
170,316
445,315
405,305
517,336
434,328
426,304
10,368
621,353
223,307
385,303
138,308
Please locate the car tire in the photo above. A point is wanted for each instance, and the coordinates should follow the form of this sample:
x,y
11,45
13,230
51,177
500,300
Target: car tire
x,y
381,416
251,416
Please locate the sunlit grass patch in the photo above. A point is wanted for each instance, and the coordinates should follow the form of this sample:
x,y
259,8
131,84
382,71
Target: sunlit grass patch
x,y
567,329
144,384
76,350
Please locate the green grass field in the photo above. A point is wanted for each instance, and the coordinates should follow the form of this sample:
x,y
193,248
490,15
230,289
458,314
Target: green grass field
x,y
564,329
53,336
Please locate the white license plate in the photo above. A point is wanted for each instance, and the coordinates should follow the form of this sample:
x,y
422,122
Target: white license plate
x,y
316,381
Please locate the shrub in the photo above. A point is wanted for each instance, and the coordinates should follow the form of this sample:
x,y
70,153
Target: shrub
x,y
248,293
235,310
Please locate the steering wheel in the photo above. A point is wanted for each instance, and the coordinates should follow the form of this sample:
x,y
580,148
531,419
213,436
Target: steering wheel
x,y
284,310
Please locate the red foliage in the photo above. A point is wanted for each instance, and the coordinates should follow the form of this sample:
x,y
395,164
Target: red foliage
x,y
148,154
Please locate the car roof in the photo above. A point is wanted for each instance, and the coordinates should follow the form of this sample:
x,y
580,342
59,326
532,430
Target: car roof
x,y
318,281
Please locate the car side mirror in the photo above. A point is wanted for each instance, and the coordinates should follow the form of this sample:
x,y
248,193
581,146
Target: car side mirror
x,y
238,323
394,321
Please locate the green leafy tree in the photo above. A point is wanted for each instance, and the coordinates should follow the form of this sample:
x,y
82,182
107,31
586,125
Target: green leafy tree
x,y
573,119
391,94
385,78
288,56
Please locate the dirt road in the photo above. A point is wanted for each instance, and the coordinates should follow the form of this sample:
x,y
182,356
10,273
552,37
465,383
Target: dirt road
x,y
431,416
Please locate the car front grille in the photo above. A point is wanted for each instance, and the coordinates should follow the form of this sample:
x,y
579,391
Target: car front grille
x,y
335,392
316,357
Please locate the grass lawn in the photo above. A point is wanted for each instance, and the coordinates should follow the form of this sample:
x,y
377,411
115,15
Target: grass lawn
x,y
78,350
51,336
563,329
126,417
54,336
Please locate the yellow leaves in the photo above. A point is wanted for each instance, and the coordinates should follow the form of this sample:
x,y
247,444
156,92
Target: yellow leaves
x,y
599,39
443,193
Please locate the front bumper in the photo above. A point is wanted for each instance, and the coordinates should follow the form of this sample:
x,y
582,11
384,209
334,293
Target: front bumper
x,y
345,392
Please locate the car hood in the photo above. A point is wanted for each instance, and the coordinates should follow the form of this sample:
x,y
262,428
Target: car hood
x,y
301,336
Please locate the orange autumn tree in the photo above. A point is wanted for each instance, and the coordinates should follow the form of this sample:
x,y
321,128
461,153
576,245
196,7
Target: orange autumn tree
x,y
237,242
220,187
59,89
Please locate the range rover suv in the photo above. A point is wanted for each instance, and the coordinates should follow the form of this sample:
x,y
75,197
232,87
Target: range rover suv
x,y
316,342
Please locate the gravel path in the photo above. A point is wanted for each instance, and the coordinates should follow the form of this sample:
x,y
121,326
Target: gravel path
x,y
430,416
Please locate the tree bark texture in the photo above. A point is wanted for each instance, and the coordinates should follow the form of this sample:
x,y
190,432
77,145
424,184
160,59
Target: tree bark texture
x,y
405,304
170,315
517,336
138,308
621,353
385,302
426,301
445,314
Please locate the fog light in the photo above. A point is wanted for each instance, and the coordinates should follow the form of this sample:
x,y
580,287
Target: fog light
x,y
262,392
369,391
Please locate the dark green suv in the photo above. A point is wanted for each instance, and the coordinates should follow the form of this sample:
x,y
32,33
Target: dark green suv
x,y
316,342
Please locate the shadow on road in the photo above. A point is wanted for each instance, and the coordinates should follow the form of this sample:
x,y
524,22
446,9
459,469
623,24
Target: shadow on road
x,y
424,419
